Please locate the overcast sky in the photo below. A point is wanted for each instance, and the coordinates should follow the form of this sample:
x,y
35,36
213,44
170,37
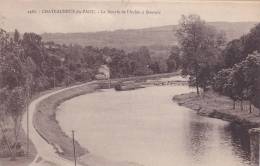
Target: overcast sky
x,y
13,14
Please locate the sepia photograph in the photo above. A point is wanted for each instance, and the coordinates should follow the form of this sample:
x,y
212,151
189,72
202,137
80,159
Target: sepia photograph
x,y
129,83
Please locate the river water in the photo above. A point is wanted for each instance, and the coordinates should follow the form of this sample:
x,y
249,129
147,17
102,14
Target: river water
x,y
145,126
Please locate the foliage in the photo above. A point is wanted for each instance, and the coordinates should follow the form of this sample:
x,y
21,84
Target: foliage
x,y
29,65
241,81
233,53
251,40
200,46
174,60
241,59
232,70
238,49
131,64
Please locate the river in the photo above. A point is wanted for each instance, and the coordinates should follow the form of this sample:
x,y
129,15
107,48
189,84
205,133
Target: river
x,y
145,126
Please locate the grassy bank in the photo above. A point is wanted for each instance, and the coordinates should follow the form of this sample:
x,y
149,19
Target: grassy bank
x,y
45,118
213,105
46,125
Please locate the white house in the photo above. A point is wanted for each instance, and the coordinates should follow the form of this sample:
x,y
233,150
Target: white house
x,y
103,72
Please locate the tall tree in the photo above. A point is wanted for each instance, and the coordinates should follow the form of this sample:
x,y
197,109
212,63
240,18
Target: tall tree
x,y
233,53
16,36
251,40
200,45
4,94
16,105
250,68
224,83
174,60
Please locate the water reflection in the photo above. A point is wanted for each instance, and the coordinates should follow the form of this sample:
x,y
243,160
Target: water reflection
x,y
146,127
198,138
239,140
216,142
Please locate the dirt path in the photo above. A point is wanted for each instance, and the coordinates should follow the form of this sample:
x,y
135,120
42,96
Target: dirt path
x,y
46,153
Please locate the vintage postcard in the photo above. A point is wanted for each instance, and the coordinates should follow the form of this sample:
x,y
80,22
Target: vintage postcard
x,y
129,83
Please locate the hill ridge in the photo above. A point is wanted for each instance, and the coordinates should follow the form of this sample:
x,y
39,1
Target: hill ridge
x,y
158,39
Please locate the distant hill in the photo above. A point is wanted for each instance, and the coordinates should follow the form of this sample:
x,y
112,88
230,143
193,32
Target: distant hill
x,y
158,39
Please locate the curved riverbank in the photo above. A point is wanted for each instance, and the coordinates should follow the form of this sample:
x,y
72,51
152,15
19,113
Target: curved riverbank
x,y
48,128
46,125
145,126
211,104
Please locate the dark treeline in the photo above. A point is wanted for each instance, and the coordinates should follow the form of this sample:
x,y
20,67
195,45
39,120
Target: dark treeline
x,y
50,64
28,66
232,69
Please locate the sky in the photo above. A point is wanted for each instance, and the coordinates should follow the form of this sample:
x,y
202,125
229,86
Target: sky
x,y
14,14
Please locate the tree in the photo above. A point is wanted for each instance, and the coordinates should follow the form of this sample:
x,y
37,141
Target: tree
x,y
233,53
140,61
16,72
237,50
32,45
16,36
120,64
174,60
162,66
229,88
251,75
16,105
224,83
11,64
256,98
200,45
4,40
155,67
4,118
242,57
251,40
135,63
241,82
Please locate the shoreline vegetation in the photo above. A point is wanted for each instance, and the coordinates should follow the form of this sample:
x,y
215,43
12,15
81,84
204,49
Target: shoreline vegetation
x,y
206,105
48,128
213,105
46,125
29,66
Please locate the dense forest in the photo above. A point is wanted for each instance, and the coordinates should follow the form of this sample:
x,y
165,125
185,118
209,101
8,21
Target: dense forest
x,y
29,65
